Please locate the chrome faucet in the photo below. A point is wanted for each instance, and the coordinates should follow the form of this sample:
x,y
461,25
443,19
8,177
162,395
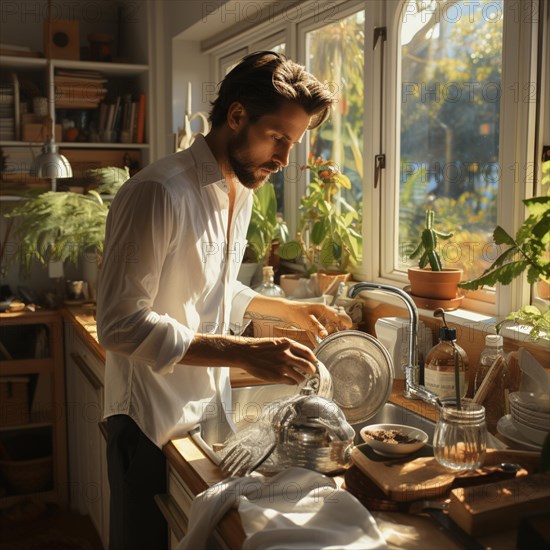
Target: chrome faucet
x,y
413,389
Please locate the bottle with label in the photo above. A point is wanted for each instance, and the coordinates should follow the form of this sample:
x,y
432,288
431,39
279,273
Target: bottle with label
x,y
268,287
493,349
439,366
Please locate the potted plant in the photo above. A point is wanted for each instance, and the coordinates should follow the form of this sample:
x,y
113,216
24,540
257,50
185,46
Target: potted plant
x,y
526,253
430,280
265,231
59,226
329,240
66,226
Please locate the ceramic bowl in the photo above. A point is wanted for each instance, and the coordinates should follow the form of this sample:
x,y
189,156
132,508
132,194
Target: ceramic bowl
x,y
406,439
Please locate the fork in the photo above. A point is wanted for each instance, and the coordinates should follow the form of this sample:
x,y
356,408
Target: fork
x,y
240,461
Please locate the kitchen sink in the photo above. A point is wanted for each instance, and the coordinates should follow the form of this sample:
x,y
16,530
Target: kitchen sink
x,y
248,402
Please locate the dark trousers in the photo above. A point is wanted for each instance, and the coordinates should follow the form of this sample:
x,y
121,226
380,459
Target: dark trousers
x,y
137,472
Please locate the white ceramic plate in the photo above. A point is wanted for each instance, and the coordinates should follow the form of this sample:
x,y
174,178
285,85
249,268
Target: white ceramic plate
x,y
538,403
507,428
534,435
395,449
533,421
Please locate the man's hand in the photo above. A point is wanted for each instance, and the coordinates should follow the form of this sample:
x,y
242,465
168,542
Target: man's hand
x,y
317,320
277,360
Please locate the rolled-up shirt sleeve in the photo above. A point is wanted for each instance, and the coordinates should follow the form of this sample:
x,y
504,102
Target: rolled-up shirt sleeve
x,y
141,229
242,295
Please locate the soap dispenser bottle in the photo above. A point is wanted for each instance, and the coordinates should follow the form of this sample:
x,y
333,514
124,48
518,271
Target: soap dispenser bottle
x,y
439,366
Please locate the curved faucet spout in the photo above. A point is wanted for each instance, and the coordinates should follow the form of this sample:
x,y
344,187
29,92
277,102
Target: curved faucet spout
x,y
413,390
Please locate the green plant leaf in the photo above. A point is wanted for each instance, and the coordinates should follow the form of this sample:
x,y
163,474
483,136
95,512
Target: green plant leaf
x,y
290,250
500,236
318,232
503,274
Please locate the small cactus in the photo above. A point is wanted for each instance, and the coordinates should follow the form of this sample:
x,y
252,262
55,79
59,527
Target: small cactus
x,y
427,247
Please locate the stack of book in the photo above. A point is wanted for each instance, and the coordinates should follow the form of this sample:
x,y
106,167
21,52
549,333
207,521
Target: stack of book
x,y
123,119
79,89
9,109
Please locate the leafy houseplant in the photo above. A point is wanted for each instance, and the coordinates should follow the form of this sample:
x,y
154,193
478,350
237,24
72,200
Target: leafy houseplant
x,y
330,235
59,226
266,225
527,252
432,281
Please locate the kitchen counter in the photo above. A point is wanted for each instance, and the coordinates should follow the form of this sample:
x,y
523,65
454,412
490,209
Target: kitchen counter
x,y
199,472
400,530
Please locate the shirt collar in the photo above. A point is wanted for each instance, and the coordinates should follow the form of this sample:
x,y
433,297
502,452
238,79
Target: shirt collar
x,y
208,168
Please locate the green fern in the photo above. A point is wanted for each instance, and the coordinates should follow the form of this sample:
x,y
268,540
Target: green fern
x,y
58,226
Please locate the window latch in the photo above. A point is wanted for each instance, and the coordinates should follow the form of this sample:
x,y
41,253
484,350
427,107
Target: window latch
x,y
379,165
379,33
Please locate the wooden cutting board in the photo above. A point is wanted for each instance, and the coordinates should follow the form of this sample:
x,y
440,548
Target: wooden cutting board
x,y
404,479
420,476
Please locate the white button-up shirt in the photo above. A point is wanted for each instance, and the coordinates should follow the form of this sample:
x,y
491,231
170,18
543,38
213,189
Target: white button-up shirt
x,y
168,273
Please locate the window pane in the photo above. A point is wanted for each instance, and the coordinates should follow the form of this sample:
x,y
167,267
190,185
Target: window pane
x,y
335,55
450,102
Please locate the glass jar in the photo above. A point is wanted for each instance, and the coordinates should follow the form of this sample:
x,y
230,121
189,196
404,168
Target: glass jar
x,y
268,287
460,438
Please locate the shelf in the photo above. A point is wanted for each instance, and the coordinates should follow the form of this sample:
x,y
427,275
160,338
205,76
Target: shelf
x,y
7,501
95,145
26,366
117,69
38,420
78,145
22,63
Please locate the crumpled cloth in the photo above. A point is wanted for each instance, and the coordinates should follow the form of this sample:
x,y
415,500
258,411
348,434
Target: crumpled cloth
x,y
295,509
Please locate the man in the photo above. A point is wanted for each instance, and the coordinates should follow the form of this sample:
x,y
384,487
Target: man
x,y
169,307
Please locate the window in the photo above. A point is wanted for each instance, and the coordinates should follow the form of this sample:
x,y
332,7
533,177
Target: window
x,y
451,66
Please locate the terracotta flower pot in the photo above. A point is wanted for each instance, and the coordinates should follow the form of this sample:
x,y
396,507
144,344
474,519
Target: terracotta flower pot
x,y
441,285
327,279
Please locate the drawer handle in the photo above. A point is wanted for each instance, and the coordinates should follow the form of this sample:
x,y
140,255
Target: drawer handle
x,y
175,518
87,371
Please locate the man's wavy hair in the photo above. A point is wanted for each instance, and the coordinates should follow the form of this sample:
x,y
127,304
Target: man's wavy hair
x,y
263,81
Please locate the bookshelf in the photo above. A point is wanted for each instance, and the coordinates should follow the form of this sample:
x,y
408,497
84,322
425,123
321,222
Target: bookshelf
x,y
126,76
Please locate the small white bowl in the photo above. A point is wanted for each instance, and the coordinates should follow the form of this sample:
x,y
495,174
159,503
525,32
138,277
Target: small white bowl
x,y
415,439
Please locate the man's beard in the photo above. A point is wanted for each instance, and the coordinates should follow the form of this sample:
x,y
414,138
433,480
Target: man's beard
x,y
242,166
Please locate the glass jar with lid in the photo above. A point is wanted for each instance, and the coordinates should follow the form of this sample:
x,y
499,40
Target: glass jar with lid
x,y
460,438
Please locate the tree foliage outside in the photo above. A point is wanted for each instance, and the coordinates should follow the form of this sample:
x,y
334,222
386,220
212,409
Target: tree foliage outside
x,y
450,103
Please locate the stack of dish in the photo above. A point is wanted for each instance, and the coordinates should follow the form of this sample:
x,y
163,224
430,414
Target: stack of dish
x,y
530,415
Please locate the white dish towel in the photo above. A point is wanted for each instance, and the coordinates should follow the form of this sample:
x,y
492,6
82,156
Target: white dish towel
x,y
295,509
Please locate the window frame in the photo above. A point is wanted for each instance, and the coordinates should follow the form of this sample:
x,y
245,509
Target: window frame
x,y
517,136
